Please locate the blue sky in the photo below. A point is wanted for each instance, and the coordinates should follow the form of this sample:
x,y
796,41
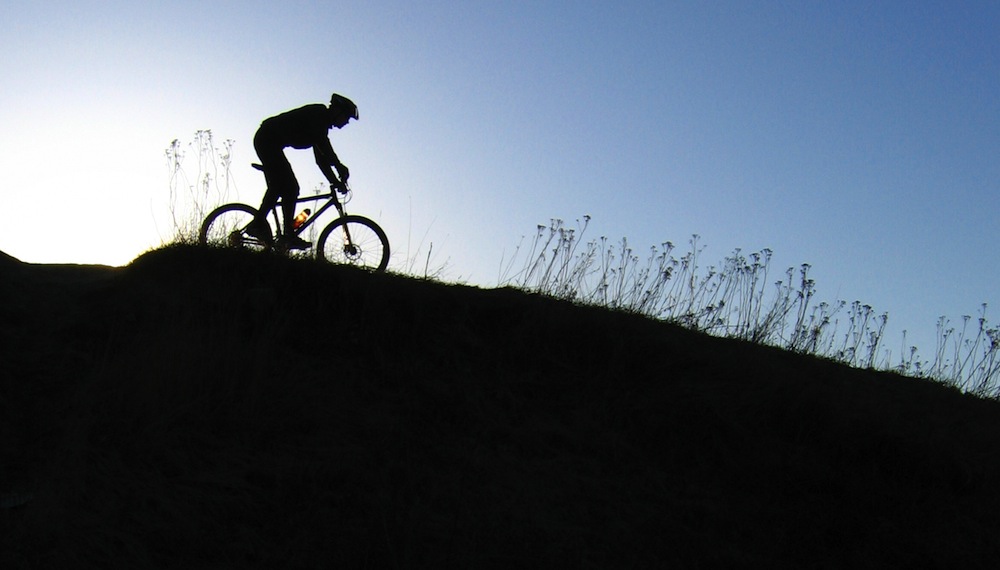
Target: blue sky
x,y
860,137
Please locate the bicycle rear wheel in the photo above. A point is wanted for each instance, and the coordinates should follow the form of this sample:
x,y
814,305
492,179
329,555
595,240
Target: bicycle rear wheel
x,y
354,240
226,226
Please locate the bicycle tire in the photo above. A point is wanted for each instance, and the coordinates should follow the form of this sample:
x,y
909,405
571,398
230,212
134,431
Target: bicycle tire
x,y
368,247
225,226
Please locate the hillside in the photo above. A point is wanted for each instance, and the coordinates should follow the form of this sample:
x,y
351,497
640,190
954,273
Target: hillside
x,y
214,409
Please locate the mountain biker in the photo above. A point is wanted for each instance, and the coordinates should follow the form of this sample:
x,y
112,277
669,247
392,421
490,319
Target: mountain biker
x,y
302,128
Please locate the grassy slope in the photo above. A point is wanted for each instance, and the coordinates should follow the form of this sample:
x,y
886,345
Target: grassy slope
x,y
176,413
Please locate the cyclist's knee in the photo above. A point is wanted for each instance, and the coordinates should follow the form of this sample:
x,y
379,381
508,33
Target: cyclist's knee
x,y
290,191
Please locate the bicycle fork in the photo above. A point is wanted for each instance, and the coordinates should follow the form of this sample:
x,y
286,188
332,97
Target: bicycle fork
x,y
347,231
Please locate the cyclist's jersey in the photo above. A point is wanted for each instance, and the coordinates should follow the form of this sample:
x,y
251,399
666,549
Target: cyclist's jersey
x,y
300,128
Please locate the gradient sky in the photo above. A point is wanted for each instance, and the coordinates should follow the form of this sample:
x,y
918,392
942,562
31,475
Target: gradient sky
x,y
860,137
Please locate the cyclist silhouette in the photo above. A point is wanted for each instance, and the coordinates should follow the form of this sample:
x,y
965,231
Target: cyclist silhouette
x,y
302,128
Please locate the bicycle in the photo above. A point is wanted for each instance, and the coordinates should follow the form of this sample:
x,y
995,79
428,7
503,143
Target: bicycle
x,y
349,239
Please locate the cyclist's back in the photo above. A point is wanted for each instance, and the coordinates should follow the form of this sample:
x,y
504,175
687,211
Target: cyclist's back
x,y
299,128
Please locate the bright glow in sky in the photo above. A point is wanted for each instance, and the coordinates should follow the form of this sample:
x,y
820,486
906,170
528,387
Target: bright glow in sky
x,y
860,137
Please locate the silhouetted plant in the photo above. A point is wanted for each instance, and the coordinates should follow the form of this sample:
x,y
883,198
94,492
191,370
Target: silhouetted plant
x,y
192,197
971,363
731,300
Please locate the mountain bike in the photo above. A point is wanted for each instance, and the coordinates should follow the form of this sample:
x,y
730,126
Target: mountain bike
x,y
349,239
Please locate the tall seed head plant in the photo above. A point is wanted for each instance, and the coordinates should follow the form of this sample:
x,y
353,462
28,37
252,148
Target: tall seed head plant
x,y
199,179
736,299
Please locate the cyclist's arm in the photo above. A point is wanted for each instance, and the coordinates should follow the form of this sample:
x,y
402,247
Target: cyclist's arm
x,y
325,158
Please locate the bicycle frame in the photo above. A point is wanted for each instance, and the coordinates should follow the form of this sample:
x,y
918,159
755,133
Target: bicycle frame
x,y
331,199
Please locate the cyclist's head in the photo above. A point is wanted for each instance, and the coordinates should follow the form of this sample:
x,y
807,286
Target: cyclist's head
x,y
344,109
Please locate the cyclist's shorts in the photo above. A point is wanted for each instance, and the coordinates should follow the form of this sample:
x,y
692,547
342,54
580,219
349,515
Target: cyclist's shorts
x,y
277,171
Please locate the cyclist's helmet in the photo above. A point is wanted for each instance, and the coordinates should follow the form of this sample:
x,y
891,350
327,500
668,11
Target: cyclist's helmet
x,y
344,105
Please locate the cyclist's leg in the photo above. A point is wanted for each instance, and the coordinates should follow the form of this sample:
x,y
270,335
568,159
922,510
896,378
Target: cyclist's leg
x,y
281,182
266,154
289,240
289,193
277,172
259,227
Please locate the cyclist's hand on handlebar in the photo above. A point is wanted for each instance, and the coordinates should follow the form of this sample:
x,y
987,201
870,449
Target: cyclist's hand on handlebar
x,y
339,186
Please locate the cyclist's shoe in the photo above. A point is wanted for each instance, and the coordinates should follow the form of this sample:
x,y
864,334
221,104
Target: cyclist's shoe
x,y
260,230
287,243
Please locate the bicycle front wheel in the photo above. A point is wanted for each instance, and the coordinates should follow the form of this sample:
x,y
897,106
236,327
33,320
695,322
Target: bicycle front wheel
x,y
226,226
354,240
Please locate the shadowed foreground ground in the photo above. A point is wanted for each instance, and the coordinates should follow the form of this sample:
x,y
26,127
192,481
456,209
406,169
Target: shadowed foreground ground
x,y
175,414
